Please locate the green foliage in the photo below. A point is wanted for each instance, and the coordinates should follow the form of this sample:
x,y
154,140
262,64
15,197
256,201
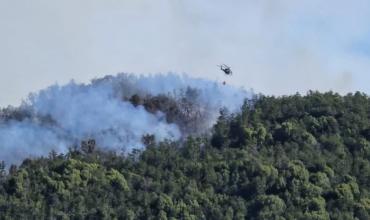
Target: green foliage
x,y
294,157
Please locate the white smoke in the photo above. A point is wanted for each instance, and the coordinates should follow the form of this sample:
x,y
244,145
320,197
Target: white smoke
x,y
19,140
61,116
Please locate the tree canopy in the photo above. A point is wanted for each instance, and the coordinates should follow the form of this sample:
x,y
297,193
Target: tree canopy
x,y
290,157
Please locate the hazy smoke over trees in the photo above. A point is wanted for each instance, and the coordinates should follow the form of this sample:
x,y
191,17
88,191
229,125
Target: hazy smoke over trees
x,y
116,111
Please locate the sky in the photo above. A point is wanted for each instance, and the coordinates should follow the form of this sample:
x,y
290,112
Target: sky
x,y
276,47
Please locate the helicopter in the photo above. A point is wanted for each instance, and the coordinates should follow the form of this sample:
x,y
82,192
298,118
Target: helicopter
x,y
226,69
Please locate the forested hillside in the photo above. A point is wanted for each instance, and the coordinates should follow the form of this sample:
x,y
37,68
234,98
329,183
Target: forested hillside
x,y
294,157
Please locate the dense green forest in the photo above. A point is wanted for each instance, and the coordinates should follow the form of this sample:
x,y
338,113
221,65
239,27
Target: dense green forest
x,y
293,157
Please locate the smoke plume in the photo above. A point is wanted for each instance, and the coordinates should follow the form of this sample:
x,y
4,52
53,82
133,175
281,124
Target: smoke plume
x,y
115,111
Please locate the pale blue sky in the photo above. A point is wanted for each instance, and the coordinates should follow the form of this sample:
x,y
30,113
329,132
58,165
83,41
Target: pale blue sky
x,y
274,46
